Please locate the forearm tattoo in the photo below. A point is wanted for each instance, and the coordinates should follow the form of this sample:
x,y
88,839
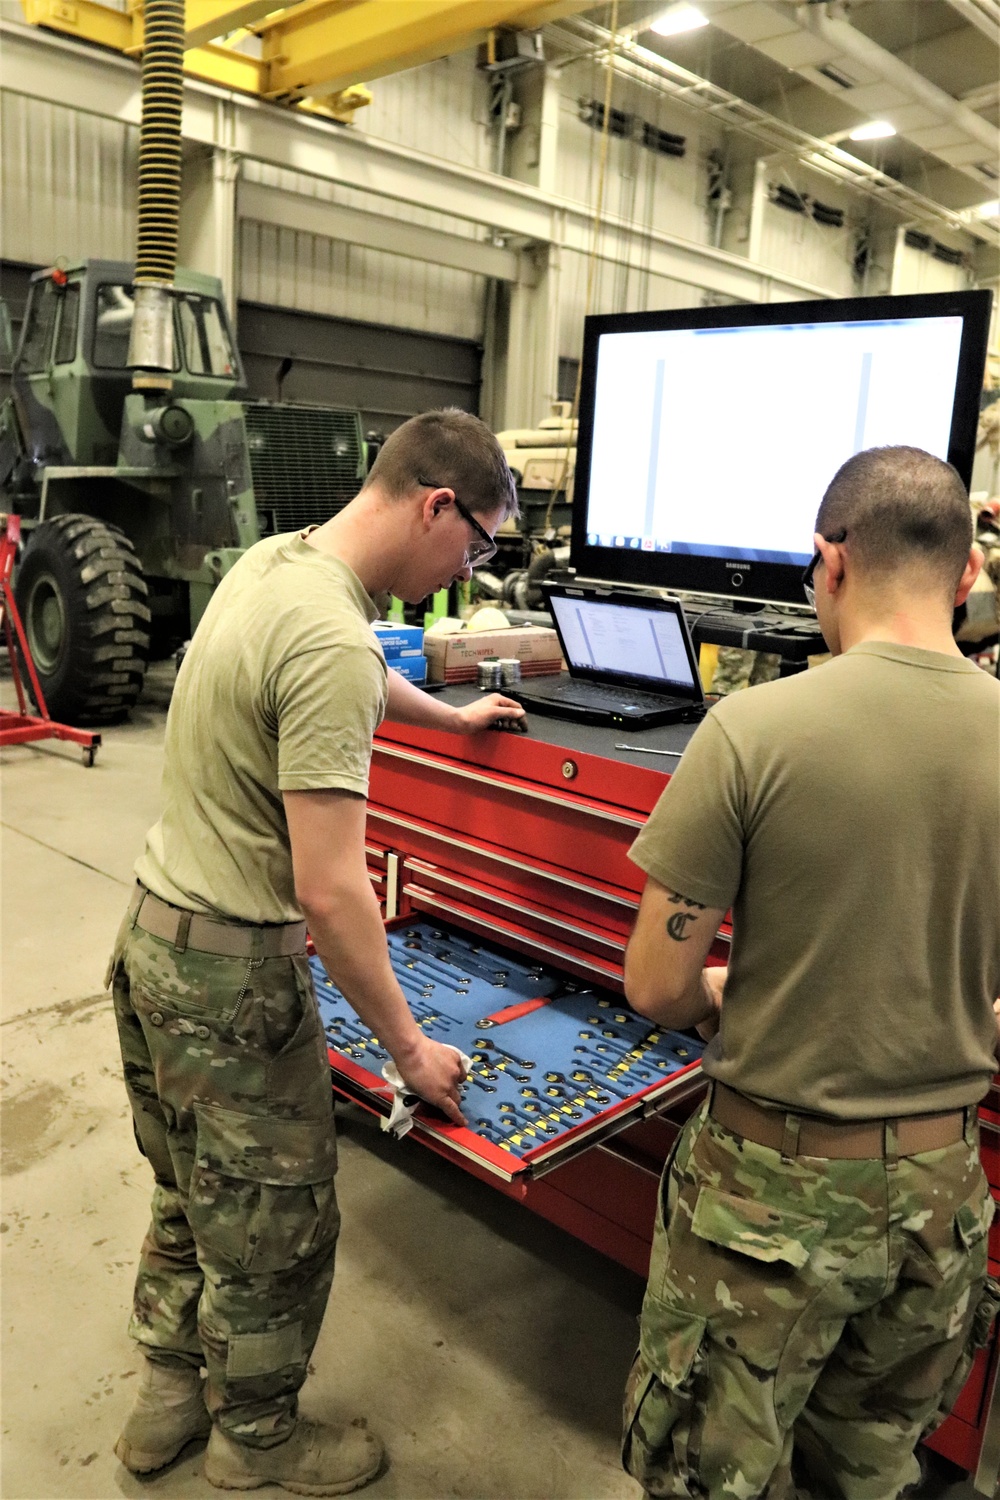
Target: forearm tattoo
x,y
677,924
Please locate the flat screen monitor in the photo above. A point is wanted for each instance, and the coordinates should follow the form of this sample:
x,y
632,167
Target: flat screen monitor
x,y
707,436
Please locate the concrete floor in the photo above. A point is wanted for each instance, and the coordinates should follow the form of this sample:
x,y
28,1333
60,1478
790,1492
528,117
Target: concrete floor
x,y
488,1348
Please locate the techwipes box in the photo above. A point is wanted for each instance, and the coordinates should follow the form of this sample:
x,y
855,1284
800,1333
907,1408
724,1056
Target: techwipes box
x,y
454,658
399,640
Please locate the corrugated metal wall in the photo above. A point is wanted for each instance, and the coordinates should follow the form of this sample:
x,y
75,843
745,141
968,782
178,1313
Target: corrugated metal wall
x,y
68,183
918,271
798,244
440,108
311,273
642,187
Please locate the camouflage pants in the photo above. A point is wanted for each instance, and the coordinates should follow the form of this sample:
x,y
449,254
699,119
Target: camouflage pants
x,y
226,1070
805,1320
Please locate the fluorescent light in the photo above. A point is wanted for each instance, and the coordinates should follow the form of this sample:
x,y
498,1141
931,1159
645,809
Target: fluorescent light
x,y
875,130
989,210
679,18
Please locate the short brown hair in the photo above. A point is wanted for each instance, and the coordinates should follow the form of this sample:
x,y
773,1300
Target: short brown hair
x,y
900,507
450,448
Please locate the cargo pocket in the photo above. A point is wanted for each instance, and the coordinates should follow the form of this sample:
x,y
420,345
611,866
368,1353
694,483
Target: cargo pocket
x,y
780,1244
972,1225
661,1418
262,1193
756,1229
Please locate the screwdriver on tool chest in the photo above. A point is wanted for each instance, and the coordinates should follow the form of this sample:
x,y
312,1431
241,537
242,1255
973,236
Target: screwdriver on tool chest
x,y
648,750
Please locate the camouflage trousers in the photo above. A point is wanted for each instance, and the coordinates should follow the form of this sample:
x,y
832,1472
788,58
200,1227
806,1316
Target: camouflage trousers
x,y
806,1320
226,1070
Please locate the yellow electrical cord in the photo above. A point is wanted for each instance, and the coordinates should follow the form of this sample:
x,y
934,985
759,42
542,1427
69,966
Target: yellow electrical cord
x,y
559,488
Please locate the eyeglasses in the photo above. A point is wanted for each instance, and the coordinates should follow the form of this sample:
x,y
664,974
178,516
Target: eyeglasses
x,y
484,547
807,577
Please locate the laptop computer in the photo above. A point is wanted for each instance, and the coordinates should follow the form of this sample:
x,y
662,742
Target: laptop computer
x,y
630,658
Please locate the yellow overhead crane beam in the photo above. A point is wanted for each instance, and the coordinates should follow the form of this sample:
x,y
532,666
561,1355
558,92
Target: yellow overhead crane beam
x,y
315,54
320,48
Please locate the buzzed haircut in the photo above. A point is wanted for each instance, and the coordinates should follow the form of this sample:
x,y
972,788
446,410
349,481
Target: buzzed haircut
x,y
900,507
451,449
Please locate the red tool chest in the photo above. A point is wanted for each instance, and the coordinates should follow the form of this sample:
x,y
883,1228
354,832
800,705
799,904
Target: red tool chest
x,y
521,842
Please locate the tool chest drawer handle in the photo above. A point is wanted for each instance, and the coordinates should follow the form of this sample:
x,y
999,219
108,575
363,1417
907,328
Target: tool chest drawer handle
x,y
519,789
483,851
500,898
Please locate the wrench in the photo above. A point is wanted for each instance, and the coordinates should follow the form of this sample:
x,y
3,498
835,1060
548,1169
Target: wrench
x,y
482,1043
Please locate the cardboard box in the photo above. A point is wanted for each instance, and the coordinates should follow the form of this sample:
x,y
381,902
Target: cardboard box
x,y
455,658
396,639
412,666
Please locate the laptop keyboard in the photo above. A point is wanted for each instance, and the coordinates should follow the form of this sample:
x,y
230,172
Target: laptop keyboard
x,y
601,695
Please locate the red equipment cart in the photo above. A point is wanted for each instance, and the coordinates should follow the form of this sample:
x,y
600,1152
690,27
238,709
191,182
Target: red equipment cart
x,y
19,727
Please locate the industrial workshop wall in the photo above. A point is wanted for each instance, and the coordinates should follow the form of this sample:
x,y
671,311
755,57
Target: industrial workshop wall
x,y
374,234
643,187
68,182
389,374
285,266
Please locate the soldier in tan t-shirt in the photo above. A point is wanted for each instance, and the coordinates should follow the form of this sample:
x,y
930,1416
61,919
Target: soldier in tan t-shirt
x,y
268,744
818,1275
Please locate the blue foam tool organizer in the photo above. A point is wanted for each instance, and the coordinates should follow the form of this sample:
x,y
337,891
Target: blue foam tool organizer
x,y
533,1078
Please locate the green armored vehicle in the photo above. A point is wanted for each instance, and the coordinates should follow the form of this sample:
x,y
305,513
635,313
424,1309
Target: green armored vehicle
x,y
137,501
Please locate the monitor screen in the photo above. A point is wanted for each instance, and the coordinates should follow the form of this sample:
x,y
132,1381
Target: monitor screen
x,y
622,640
708,436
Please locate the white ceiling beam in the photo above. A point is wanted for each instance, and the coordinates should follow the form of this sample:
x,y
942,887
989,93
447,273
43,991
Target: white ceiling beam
x,y
850,42
335,221
985,97
981,14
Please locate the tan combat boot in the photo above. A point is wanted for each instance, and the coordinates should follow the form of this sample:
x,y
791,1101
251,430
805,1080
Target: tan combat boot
x,y
316,1460
169,1413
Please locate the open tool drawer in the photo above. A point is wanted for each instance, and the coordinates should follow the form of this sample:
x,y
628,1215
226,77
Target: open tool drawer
x,y
518,845
559,1065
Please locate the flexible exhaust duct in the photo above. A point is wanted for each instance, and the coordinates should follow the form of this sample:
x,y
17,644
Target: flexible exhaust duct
x,y
151,348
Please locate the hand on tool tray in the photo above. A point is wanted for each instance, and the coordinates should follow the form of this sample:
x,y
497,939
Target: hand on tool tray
x,y
435,1072
488,712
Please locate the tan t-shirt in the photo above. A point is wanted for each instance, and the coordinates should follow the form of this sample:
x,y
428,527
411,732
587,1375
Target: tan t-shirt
x,y
851,818
282,688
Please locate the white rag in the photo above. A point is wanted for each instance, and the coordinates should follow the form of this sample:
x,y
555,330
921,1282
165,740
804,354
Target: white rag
x,y
404,1100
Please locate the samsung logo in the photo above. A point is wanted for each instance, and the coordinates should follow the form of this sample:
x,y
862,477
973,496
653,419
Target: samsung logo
x,y
744,567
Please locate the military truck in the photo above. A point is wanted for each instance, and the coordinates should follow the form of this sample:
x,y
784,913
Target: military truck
x,y
136,503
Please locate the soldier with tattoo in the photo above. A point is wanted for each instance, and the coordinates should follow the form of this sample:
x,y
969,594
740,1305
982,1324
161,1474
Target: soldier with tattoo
x,y
818,1279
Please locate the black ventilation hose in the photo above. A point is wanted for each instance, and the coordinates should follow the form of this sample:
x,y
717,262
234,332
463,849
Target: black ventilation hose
x,y
160,141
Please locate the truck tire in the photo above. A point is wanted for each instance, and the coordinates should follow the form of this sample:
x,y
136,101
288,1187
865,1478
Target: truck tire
x,y
82,599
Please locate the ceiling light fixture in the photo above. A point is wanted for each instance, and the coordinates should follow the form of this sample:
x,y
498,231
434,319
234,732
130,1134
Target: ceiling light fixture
x,y
679,18
874,130
989,210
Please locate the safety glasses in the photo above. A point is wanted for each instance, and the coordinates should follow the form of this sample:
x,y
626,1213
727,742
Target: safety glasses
x,y
807,577
483,547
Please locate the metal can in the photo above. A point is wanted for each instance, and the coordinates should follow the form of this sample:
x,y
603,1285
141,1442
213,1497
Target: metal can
x,y
510,671
488,673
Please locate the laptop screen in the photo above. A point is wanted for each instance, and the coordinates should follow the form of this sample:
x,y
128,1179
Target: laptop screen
x,y
633,641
